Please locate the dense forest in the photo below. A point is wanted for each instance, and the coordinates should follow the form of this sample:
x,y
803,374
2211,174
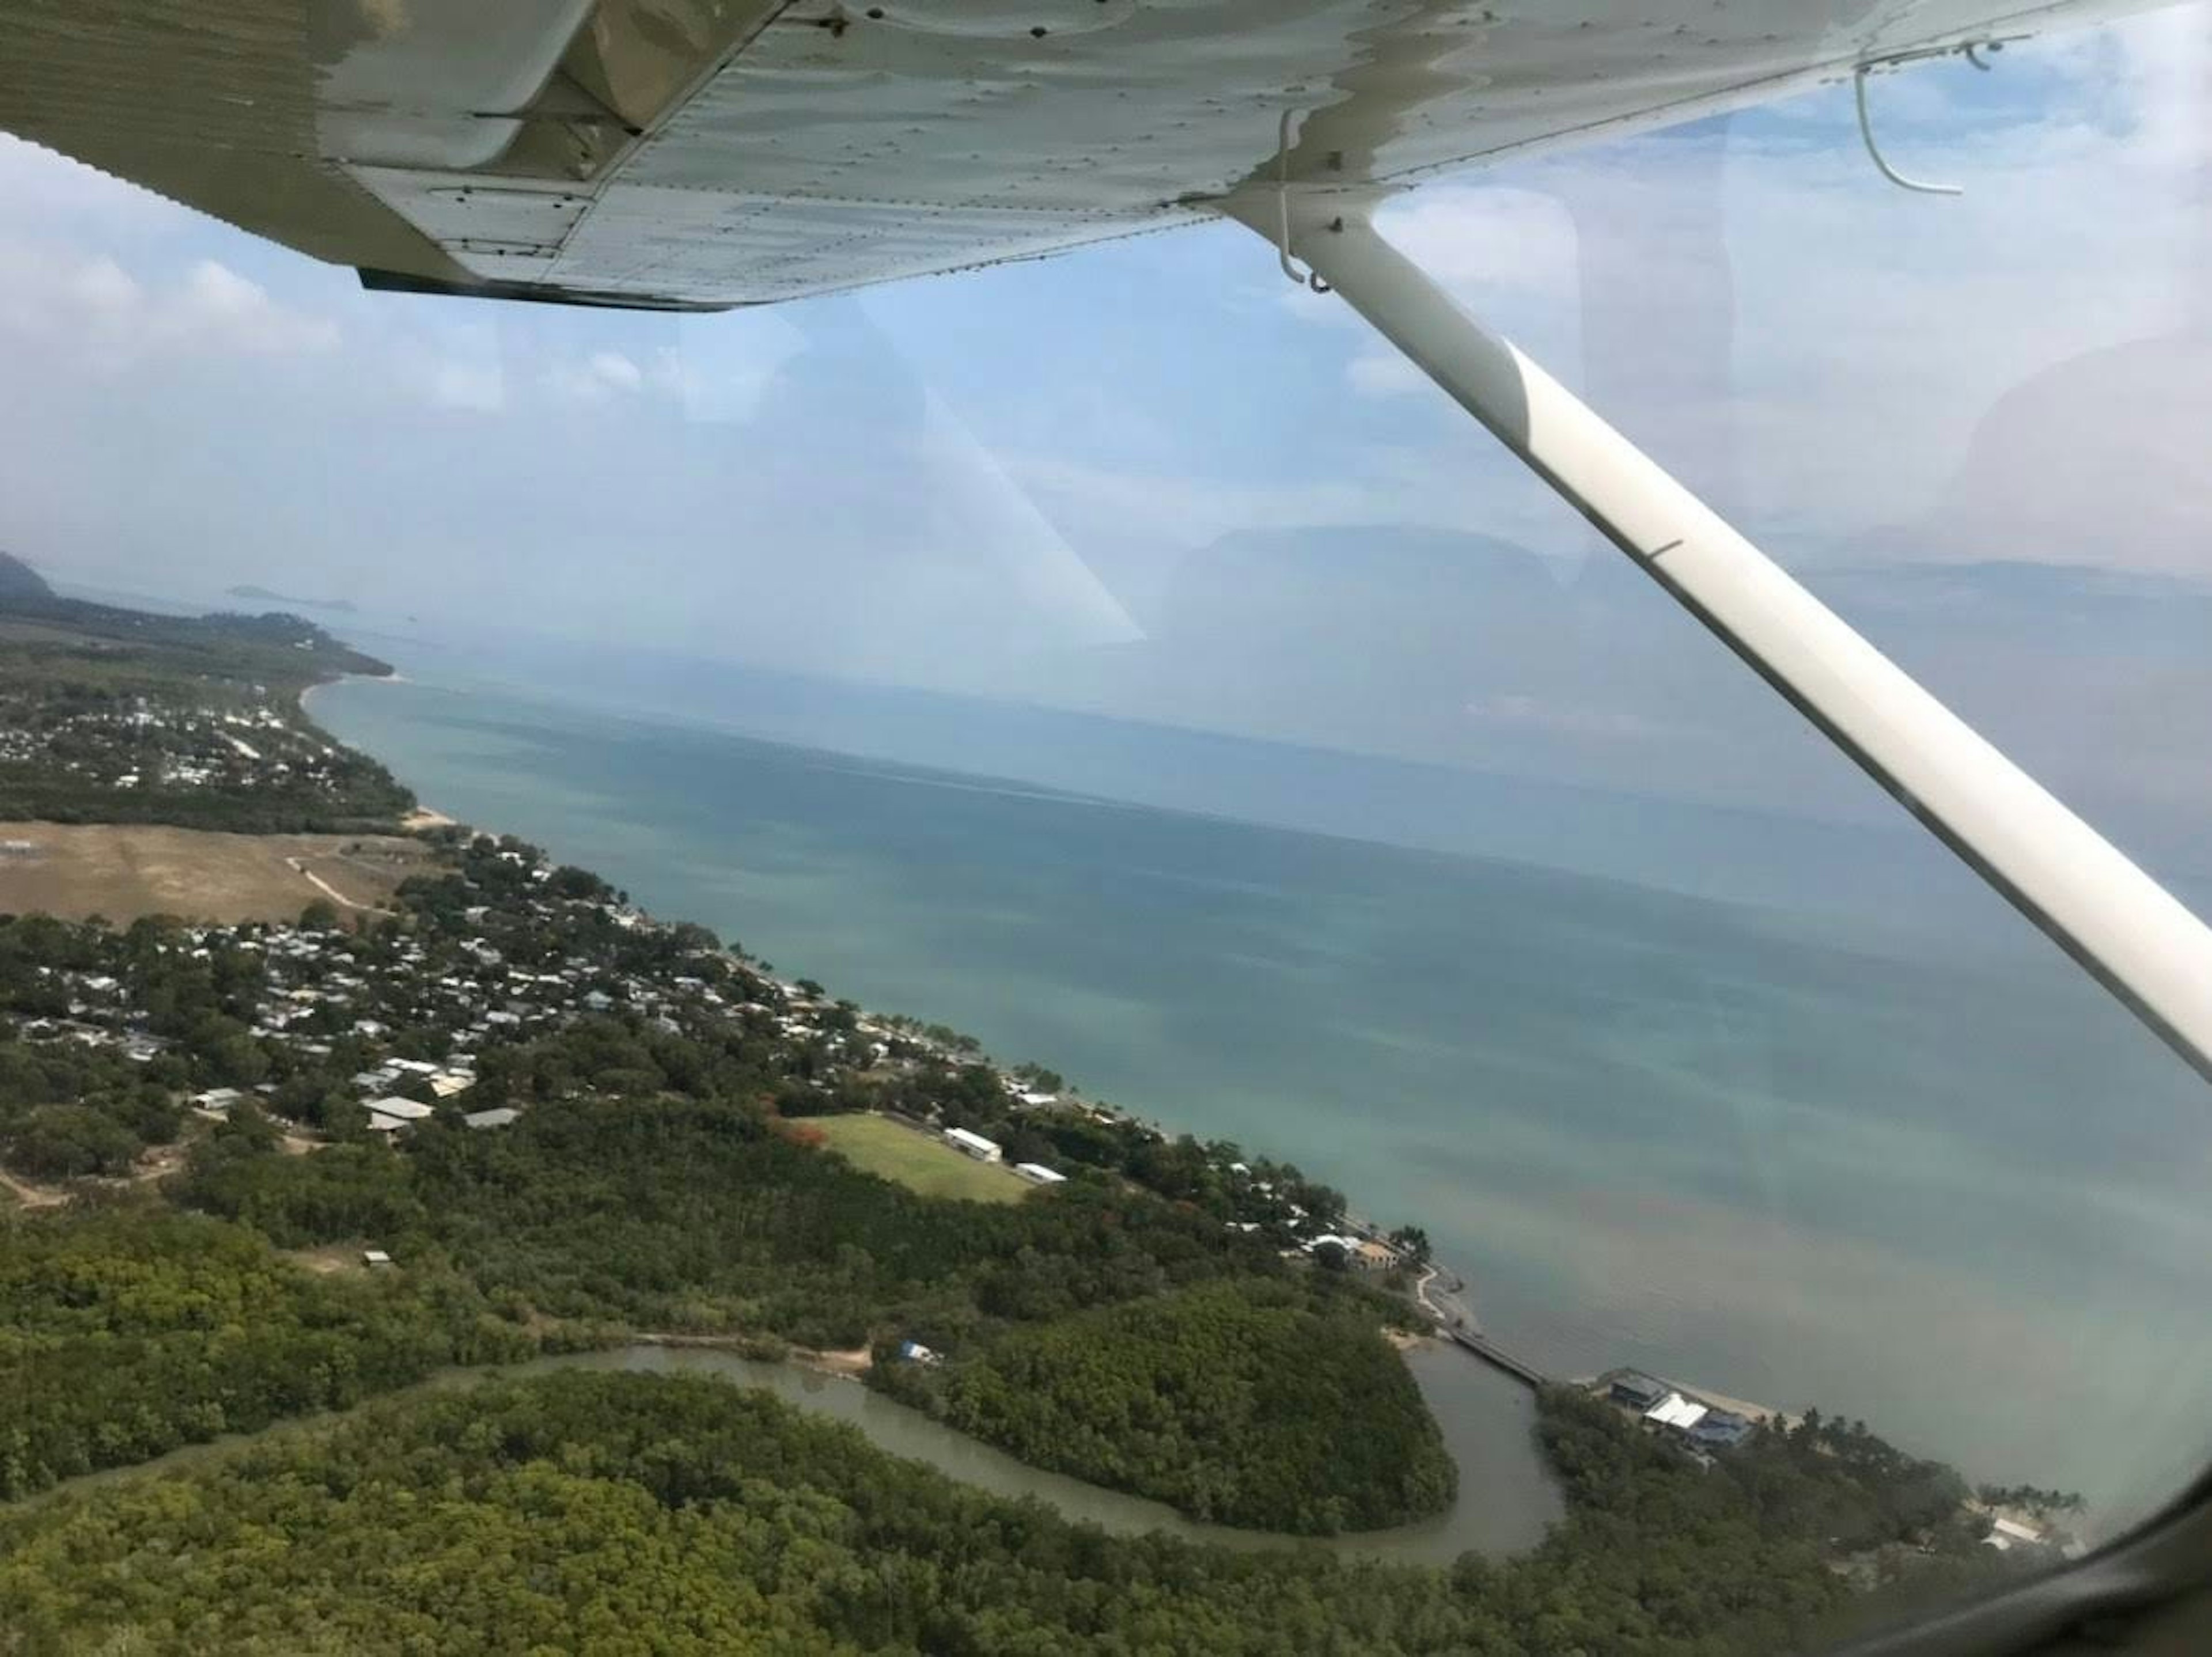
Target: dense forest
x,y
698,1214
1275,1404
127,1329
621,1513
1268,1399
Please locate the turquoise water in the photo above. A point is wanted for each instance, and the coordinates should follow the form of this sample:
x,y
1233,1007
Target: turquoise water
x,y
1751,1149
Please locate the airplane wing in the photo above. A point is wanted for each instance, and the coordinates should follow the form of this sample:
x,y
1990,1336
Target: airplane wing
x,y
699,154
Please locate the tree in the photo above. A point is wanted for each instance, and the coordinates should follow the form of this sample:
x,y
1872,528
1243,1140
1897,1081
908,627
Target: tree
x,y
67,1142
319,916
1412,1242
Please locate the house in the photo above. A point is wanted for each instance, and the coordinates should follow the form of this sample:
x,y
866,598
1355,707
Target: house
x,y
1372,1256
498,1118
1636,1390
913,1352
372,1258
390,1115
1032,1097
2005,1534
975,1145
446,1082
1721,1430
1038,1174
216,1101
1675,1411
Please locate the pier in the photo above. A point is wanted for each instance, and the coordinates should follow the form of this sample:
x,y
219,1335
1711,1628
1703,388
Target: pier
x,y
1456,1322
1498,1358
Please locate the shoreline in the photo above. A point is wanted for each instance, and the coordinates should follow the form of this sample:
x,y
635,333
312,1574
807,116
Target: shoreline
x,y
1440,1294
844,1363
1460,1314
422,816
1448,1312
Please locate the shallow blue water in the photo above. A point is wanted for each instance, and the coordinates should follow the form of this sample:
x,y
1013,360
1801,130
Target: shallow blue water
x,y
1773,1153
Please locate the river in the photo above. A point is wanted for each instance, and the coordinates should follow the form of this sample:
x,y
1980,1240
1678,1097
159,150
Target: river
x,y
1506,1495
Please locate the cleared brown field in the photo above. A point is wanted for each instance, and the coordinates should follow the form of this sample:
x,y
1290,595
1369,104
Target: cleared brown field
x,y
123,870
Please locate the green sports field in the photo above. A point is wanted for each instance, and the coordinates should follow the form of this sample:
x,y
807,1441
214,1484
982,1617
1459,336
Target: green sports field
x,y
919,1161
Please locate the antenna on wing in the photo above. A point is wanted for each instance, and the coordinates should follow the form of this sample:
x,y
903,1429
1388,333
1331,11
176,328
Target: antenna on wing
x,y
1971,51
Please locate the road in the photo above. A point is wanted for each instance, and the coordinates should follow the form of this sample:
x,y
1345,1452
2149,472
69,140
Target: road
x,y
299,868
1441,1296
31,1196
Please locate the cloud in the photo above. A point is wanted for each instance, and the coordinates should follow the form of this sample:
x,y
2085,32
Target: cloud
x,y
216,308
1488,236
478,387
593,378
1383,373
722,366
93,309
613,369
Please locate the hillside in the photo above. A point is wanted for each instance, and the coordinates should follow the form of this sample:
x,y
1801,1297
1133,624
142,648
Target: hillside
x,y
274,644
19,580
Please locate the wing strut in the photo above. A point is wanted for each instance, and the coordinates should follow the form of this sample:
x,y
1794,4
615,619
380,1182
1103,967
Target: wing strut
x,y
2117,922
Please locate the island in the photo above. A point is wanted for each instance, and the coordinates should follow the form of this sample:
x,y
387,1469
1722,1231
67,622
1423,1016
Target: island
x,y
262,596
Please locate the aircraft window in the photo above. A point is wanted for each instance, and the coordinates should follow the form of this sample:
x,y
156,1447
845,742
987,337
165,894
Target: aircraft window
x,y
1266,985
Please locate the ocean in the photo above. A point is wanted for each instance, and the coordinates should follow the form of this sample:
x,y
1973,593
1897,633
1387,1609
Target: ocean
x,y
1911,1168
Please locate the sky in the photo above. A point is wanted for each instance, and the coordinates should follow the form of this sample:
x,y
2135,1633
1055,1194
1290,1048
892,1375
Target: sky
x,y
1152,479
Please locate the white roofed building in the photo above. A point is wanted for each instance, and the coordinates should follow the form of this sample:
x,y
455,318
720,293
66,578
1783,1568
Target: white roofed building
x,y
1675,1412
975,1145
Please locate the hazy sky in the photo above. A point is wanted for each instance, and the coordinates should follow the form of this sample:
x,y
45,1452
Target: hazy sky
x,y
1155,479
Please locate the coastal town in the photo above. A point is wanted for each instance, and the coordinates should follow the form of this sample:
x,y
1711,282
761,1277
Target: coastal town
x,y
344,1027
145,745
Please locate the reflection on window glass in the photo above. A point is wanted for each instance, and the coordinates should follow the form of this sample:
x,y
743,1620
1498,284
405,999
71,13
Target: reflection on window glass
x,y
1264,985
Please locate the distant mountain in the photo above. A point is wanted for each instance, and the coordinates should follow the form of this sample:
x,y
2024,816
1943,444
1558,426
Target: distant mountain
x,y
2019,605
264,596
25,593
19,580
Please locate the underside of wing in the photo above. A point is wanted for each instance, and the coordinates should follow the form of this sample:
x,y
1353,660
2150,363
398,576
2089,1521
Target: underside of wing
x,y
708,153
